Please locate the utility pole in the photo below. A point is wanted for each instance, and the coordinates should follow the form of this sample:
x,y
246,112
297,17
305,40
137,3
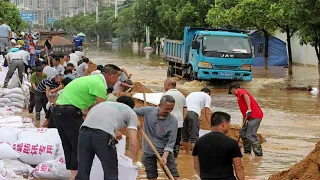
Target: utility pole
x,y
97,21
115,8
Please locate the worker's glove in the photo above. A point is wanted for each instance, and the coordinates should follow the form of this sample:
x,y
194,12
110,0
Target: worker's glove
x,y
138,165
248,113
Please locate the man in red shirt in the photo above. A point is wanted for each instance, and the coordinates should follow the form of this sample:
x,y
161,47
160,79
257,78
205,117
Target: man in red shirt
x,y
252,116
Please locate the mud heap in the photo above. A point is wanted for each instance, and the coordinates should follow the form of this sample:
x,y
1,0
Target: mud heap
x,y
307,169
139,88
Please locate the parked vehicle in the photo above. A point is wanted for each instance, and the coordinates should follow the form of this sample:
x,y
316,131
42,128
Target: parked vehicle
x,y
207,54
60,40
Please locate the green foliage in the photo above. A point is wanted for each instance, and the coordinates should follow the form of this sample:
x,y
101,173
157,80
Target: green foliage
x,y
10,12
309,24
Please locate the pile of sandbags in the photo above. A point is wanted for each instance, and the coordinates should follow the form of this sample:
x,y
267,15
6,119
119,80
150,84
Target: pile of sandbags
x,y
42,149
12,98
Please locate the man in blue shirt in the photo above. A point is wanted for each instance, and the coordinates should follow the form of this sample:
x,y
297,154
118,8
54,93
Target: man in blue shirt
x,y
5,36
78,42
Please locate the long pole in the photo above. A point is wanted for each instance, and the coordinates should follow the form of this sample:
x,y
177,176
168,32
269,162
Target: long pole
x,y
97,21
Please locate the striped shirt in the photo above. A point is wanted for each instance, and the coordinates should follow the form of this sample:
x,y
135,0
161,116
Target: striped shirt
x,y
49,82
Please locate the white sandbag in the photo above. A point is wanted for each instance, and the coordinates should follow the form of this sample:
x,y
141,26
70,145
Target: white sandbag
x,y
2,104
35,151
17,100
17,90
15,109
9,135
50,135
5,100
125,168
7,152
17,166
26,120
14,95
203,132
12,121
121,146
5,112
43,171
16,104
59,169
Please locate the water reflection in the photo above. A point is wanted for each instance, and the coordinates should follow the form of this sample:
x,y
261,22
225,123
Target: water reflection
x,y
291,124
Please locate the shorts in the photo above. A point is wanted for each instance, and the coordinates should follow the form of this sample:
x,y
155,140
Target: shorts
x,y
150,163
191,127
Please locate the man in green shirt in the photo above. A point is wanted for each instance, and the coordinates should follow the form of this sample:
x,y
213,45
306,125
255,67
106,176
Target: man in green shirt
x,y
80,94
35,80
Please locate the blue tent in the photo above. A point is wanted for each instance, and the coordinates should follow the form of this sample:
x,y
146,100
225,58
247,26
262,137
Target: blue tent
x,y
277,50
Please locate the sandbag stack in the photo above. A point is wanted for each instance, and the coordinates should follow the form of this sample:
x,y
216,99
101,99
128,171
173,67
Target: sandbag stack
x,y
42,149
14,98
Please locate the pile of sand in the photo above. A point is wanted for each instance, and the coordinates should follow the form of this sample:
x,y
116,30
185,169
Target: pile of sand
x,y
58,41
307,169
139,88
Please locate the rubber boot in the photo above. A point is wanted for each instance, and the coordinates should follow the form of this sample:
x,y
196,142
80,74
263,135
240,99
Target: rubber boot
x,y
257,149
38,116
246,145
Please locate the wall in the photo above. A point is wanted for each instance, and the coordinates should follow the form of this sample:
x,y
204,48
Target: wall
x,y
305,54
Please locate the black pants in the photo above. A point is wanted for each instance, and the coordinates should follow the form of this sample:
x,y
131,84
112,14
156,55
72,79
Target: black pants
x,y
41,101
49,116
96,142
32,101
176,148
68,120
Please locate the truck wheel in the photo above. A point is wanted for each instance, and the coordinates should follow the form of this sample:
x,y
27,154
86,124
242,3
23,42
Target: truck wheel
x,y
170,72
192,75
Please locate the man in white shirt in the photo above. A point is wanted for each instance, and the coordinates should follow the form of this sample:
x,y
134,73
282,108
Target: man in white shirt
x,y
196,101
26,58
14,62
49,71
58,66
82,69
74,58
79,53
179,111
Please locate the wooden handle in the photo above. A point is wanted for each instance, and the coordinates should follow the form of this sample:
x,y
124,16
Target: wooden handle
x,y
157,154
144,96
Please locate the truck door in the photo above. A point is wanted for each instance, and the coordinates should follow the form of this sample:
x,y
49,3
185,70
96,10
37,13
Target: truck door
x,y
195,54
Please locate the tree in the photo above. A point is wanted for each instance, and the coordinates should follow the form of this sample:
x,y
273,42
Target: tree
x,y
10,12
284,18
309,23
253,14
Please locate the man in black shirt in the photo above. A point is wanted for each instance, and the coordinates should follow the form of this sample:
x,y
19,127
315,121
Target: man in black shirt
x,y
215,154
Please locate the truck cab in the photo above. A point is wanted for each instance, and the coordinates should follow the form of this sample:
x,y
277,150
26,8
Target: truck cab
x,y
207,54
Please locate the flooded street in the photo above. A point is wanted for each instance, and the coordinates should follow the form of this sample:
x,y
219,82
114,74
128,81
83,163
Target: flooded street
x,y
291,124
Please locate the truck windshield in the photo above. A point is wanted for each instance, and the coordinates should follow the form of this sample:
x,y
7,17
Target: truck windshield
x,y
216,46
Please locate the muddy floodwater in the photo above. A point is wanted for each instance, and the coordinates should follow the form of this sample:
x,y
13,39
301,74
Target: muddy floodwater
x,y
291,123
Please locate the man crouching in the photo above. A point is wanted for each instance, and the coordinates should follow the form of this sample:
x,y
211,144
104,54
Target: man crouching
x,y
161,127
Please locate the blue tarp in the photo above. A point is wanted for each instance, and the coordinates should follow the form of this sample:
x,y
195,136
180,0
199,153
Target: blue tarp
x,y
277,50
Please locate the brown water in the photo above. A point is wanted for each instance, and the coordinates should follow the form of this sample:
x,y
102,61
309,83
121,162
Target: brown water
x,y
291,124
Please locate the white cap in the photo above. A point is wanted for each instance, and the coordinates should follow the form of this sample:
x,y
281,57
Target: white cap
x,y
13,41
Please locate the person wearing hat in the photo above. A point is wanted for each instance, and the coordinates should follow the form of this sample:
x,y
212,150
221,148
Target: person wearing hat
x,y
79,41
196,101
35,80
80,94
252,116
5,36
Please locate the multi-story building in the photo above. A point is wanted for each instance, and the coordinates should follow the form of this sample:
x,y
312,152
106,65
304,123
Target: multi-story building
x,y
58,9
